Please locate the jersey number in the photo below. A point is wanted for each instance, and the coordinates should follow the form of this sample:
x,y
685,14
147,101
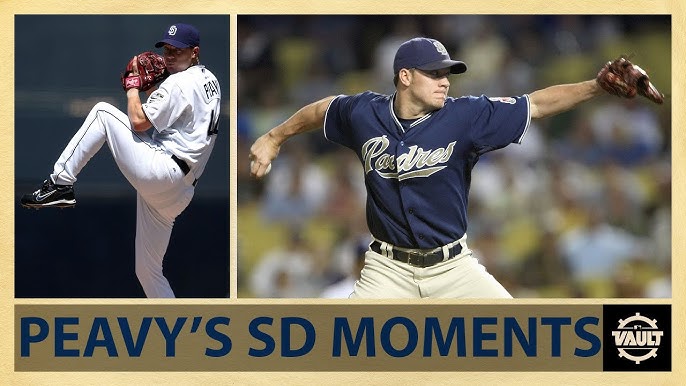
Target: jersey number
x,y
212,130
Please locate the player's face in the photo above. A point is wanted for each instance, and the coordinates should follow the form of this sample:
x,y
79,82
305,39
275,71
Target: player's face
x,y
178,59
431,87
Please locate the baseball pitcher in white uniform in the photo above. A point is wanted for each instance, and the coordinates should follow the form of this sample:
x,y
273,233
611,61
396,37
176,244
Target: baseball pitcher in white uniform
x,y
162,164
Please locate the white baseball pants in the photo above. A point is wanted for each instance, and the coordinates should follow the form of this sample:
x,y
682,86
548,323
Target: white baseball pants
x,y
163,192
460,277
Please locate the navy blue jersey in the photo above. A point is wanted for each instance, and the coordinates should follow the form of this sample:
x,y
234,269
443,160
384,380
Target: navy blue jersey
x,y
418,177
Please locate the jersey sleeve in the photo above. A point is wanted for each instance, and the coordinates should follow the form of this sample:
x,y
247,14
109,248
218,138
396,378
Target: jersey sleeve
x,y
165,105
499,121
338,126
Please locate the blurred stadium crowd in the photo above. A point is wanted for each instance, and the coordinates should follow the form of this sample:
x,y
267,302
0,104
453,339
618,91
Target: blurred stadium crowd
x,y
581,209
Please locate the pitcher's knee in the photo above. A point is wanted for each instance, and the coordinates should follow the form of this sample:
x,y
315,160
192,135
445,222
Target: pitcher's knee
x,y
102,106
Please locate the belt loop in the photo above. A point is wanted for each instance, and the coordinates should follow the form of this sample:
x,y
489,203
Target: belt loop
x,y
446,252
389,249
463,242
190,179
386,249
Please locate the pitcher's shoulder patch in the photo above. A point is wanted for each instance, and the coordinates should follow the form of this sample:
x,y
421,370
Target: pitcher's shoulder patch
x,y
509,100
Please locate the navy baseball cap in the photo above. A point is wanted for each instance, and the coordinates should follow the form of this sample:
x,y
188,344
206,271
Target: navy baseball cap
x,y
425,54
180,35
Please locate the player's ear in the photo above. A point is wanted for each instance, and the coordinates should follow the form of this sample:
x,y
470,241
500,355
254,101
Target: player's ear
x,y
404,76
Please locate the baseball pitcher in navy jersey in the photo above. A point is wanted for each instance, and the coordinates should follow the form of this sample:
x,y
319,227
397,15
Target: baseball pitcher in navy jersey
x,y
418,147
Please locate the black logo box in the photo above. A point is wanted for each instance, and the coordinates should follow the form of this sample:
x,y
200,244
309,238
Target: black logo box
x,y
629,322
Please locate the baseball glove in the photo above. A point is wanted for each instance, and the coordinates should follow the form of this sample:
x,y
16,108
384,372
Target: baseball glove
x,y
622,78
151,70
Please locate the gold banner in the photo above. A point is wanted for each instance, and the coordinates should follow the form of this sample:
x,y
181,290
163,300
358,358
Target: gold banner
x,y
269,337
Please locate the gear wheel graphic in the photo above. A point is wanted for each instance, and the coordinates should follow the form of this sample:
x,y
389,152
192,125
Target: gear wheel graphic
x,y
624,324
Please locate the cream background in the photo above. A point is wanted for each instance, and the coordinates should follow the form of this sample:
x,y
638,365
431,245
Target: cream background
x,y
9,8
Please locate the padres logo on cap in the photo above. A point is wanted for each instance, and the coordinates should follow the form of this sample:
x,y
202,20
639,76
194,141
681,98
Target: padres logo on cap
x,y
440,47
172,30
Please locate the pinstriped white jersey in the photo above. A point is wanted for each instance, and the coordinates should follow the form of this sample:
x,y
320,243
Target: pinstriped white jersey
x,y
184,112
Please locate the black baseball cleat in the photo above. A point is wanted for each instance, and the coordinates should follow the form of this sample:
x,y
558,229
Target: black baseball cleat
x,y
50,195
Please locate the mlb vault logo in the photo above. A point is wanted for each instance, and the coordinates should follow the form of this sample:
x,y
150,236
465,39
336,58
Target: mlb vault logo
x,y
637,338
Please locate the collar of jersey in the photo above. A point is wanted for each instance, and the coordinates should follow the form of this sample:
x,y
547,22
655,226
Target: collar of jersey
x,y
397,122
